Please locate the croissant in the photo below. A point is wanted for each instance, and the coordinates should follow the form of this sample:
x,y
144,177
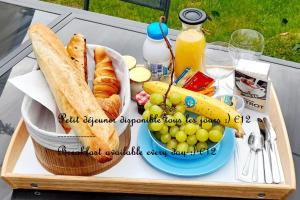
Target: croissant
x,y
111,105
105,80
106,84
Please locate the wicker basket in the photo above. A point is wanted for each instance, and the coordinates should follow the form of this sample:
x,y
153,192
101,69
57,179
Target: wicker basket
x,y
77,164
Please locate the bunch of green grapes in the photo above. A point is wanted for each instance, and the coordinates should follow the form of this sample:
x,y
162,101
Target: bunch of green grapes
x,y
171,126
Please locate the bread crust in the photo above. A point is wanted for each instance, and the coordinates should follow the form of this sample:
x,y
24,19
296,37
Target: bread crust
x,y
105,79
110,105
77,51
106,84
72,94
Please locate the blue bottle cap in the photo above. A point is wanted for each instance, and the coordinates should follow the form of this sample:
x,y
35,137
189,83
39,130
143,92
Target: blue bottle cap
x,y
154,32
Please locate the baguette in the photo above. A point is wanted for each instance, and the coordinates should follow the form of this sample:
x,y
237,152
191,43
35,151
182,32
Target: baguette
x,y
77,50
72,94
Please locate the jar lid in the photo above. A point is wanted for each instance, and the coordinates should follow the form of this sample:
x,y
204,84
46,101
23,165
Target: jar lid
x,y
192,16
130,61
154,32
140,74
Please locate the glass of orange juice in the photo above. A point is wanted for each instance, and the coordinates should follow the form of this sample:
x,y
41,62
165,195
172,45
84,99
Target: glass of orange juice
x,y
190,43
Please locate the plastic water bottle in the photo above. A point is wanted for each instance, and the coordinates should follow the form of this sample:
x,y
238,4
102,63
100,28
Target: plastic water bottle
x,y
156,52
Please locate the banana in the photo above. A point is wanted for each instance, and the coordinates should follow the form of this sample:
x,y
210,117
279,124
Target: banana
x,y
202,105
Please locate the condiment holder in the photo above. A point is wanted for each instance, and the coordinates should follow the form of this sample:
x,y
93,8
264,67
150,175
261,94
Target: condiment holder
x,y
138,76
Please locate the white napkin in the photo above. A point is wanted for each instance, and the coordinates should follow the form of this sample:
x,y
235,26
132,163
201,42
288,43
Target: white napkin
x,y
243,149
242,152
35,81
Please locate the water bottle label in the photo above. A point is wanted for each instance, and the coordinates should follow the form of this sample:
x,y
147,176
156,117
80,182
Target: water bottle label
x,y
158,71
165,71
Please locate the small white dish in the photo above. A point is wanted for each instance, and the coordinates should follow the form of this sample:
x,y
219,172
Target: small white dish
x,y
240,103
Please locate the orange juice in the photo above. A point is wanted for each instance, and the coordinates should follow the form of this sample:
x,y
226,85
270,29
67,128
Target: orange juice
x,y
190,43
189,51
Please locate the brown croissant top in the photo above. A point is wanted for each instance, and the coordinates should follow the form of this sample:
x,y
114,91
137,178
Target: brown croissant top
x,y
105,80
106,84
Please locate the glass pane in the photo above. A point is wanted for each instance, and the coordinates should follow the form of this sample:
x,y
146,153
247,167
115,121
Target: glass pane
x,y
15,21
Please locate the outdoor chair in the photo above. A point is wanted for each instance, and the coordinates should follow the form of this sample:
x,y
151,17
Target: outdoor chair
x,y
162,5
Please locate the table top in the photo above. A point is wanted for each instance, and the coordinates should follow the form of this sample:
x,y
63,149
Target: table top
x,y
126,37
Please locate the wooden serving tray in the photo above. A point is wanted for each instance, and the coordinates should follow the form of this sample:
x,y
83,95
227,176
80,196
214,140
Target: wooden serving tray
x,y
164,186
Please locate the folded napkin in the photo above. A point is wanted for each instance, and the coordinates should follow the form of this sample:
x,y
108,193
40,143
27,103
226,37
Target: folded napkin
x,y
34,84
243,150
